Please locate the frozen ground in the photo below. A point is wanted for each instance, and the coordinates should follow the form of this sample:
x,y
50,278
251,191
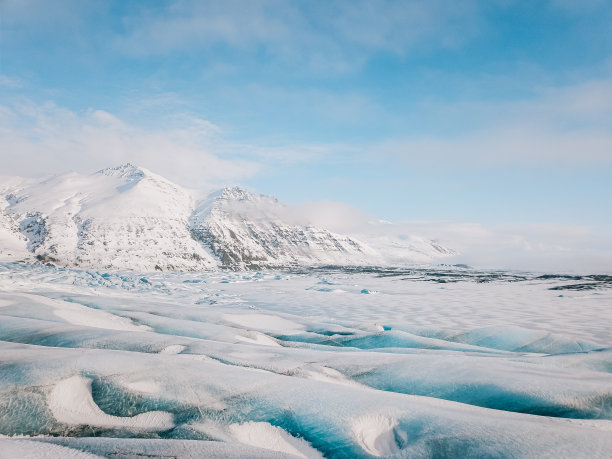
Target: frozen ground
x,y
319,363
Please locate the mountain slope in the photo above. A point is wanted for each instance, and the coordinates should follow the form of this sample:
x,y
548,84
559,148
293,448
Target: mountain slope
x,y
119,218
130,218
248,230
13,244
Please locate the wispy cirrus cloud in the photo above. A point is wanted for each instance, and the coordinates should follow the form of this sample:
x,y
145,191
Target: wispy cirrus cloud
x,y
10,82
321,36
561,126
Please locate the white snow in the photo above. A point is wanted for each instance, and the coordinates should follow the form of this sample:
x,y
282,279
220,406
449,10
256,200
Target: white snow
x,y
71,447
173,349
263,322
264,435
250,230
124,217
78,314
257,338
81,315
11,448
147,386
13,244
377,434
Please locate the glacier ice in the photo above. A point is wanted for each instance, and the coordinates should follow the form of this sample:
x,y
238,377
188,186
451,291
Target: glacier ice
x,y
237,364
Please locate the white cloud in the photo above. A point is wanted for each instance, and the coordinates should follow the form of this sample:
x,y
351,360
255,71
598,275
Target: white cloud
x,y
502,146
529,247
335,216
42,139
561,125
532,247
10,82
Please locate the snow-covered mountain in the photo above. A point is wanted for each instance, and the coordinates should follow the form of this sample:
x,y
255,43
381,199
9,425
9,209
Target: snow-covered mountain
x,y
121,218
130,218
248,230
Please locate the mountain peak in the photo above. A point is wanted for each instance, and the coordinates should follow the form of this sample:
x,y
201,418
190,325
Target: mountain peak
x,y
234,193
128,171
237,193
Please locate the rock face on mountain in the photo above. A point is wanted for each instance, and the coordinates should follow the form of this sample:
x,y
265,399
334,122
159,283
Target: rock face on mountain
x,y
13,244
130,218
247,230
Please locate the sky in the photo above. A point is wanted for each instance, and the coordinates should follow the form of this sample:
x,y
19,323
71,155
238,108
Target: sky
x,y
495,113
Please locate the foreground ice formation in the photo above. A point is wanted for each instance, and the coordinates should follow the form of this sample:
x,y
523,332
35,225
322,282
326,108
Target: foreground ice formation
x,y
303,364
71,403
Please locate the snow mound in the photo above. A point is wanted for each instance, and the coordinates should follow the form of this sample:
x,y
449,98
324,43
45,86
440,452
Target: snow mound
x,y
265,435
173,349
146,386
379,435
82,315
266,322
95,447
255,337
71,402
22,447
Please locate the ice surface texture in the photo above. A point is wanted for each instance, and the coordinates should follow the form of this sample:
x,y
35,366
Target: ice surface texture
x,y
303,364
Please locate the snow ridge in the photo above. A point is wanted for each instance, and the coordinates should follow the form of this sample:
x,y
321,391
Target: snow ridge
x,y
127,171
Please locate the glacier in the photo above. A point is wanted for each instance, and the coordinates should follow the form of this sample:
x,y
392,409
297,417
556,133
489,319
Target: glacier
x,y
429,362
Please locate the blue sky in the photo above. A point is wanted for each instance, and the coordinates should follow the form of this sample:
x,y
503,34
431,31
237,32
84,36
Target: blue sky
x,y
498,112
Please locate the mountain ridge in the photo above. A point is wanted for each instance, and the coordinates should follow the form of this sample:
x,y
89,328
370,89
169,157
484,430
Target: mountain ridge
x,y
127,217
